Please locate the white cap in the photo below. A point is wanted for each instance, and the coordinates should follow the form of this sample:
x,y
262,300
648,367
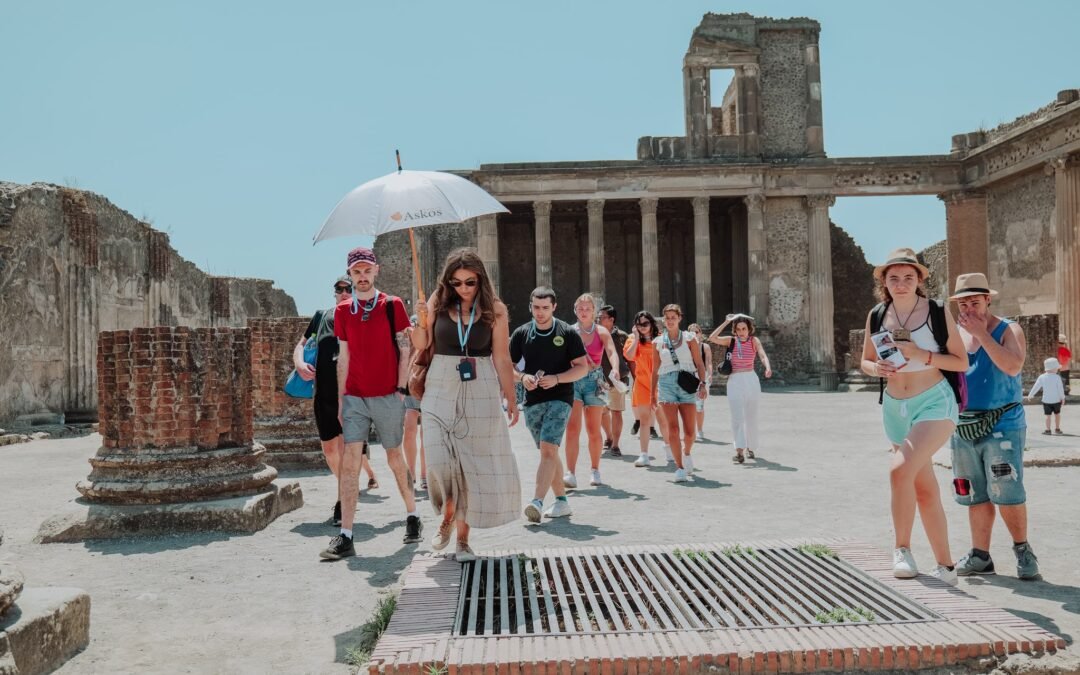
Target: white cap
x,y
1051,364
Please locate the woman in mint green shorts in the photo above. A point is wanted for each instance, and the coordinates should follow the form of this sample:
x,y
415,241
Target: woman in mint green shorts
x,y
919,407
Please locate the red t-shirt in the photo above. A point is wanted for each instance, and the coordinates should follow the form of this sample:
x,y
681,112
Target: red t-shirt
x,y
373,366
1064,356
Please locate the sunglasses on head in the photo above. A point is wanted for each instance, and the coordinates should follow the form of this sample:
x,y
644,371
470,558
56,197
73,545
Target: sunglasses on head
x,y
468,282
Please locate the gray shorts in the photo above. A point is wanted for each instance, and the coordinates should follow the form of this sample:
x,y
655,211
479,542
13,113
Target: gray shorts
x,y
386,412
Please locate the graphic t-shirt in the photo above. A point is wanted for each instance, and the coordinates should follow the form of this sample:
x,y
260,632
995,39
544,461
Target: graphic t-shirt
x,y
373,364
551,351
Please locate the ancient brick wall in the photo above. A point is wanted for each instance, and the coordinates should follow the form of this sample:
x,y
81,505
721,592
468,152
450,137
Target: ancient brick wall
x,y
1021,256
784,96
1041,332
72,264
936,258
272,344
787,232
853,290
180,387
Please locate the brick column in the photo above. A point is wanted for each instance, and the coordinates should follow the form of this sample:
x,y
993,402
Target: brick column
x,y
702,262
1067,245
542,216
650,267
283,425
758,267
487,244
597,261
822,356
966,234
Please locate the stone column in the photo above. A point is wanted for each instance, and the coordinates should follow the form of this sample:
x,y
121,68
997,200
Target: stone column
x,y
815,134
81,320
966,234
702,262
595,208
696,96
749,121
1067,245
542,216
822,351
650,267
487,244
159,264
758,264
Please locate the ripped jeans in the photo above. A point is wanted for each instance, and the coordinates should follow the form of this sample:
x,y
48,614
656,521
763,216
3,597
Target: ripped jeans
x,y
990,468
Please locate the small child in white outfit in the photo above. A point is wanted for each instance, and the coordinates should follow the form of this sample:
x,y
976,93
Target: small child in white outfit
x,y
1053,393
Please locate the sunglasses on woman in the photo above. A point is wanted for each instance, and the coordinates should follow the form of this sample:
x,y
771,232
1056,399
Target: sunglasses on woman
x,y
644,324
468,282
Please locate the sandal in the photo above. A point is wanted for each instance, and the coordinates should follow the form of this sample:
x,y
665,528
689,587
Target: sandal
x,y
738,458
749,453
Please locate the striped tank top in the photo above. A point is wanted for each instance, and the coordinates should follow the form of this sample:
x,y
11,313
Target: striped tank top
x,y
742,354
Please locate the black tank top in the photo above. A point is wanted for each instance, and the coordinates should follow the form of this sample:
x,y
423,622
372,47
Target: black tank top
x,y
446,337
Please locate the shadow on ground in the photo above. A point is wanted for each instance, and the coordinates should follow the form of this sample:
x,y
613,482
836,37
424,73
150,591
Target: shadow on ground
x,y
1068,596
610,493
567,529
761,463
384,570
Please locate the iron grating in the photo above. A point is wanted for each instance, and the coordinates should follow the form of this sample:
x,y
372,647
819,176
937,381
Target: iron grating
x,y
705,588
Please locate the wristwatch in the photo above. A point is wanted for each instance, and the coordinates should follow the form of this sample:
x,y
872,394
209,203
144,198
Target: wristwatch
x,y
404,391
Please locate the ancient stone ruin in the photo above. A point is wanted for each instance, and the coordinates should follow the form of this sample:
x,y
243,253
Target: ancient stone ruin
x,y
177,452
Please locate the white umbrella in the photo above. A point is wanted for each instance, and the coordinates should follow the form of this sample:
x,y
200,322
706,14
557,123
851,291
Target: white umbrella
x,y
404,200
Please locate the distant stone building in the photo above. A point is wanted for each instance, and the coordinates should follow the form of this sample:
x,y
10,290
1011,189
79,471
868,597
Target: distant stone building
x,y
72,265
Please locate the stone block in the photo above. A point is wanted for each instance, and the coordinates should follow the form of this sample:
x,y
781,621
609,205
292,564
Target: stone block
x,y
11,585
48,627
83,520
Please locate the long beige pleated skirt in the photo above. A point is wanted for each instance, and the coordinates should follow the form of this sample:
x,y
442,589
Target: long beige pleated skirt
x,y
467,445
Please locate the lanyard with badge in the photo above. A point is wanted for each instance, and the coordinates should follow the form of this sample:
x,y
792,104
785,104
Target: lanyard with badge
x,y
467,366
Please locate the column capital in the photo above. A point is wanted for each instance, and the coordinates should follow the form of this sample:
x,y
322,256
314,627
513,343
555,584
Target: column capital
x,y
595,208
754,201
648,205
820,201
961,196
1061,163
750,69
542,209
701,205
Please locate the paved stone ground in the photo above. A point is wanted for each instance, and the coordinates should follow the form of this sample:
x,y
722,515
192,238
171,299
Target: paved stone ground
x,y
219,603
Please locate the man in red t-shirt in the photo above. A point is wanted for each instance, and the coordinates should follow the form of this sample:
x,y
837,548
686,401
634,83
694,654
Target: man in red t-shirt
x,y
373,370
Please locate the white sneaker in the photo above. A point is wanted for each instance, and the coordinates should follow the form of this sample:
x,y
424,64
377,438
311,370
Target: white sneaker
x,y
558,509
667,451
904,566
688,463
532,512
594,478
680,475
569,480
700,436
945,574
643,461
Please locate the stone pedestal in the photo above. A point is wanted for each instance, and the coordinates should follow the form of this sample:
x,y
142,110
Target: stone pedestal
x,y
285,426
176,427
45,629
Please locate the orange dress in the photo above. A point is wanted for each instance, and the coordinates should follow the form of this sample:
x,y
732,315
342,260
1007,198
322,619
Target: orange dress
x,y
646,361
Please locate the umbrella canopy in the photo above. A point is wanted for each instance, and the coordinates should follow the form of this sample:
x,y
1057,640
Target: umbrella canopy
x,y
407,199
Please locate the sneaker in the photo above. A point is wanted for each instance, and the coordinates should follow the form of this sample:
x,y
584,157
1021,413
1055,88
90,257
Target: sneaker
x,y
340,547
634,429
1046,433
972,564
442,537
615,451
1027,564
700,436
680,475
643,460
944,574
372,483
749,453
667,453
335,519
560,508
688,463
464,552
569,480
607,444
1059,432
903,566
533,512
423,484
652,433
413,528
594,478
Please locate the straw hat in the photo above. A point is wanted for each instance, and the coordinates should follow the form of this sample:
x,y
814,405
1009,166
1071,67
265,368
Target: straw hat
x,y
974,283
902,256
1051,364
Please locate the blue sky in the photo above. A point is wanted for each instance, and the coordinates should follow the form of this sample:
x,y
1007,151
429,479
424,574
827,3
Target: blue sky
x,y
237,126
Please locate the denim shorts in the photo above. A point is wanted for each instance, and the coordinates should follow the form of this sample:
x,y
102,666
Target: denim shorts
x,y
386,412
990,468
547,421
412,404
590,389
671,392
901,414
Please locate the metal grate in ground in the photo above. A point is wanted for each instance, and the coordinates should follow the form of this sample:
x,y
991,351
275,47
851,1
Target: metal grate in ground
x,y
699,588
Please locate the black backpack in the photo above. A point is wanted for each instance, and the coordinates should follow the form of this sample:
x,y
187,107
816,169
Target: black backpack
x,y
393,330
940,329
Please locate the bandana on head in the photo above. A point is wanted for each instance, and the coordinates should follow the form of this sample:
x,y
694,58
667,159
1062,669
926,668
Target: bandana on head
x,y
361,255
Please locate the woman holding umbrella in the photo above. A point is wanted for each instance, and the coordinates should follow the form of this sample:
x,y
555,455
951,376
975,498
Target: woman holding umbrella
x,y
472,475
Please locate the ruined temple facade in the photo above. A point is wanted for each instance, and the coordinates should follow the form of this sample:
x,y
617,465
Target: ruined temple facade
x,y
72,265
734,215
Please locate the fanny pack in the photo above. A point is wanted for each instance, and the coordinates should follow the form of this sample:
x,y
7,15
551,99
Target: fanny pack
x,y
974,424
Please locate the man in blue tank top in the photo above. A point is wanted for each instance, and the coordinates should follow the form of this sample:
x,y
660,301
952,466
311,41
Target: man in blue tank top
x,y
988,470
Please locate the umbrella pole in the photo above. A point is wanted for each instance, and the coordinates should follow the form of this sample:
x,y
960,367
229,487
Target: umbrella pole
x,y
416,271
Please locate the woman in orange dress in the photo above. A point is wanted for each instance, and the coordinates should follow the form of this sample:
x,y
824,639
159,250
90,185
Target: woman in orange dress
x,y
639,349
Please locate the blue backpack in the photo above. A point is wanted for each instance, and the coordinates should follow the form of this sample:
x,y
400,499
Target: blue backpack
x,y
296,386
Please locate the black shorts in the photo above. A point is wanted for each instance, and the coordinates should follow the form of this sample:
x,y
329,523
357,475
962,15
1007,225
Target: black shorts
x,y
326,414
1052,408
